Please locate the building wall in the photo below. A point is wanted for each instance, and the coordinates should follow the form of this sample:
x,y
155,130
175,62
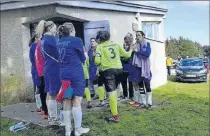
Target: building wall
x,y
14,41
120,25
158,65
14,51
118,20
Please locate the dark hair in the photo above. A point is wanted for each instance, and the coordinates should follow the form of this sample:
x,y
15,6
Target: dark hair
x,y
142,33
92,38
32,40
103,36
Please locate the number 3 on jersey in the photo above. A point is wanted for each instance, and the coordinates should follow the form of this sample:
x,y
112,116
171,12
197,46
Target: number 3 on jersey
x,y
112,51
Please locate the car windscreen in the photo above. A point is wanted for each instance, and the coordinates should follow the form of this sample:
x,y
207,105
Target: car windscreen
x,y
191,63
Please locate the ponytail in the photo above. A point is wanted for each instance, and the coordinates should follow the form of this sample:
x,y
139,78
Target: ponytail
x,y
40,29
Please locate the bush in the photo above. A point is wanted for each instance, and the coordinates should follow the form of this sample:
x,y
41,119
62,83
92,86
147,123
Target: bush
x,y
14,90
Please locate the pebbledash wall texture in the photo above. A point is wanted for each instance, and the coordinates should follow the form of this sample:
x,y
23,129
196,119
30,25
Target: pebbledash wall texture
x,y
15,32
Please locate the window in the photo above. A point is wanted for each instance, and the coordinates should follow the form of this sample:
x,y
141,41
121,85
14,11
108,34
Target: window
x,y
151,29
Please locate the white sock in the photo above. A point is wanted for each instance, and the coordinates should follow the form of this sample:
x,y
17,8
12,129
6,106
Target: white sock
x,y
52,109
143,99
136,96
77,114
149,98
95,89
139,98
67,122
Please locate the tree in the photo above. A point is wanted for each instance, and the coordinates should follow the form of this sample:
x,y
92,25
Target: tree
x,y
184,47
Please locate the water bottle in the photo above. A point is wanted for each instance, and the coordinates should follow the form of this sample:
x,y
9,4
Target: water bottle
x,y
38,101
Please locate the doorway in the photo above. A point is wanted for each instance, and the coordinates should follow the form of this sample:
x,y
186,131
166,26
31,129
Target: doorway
x,y
79,27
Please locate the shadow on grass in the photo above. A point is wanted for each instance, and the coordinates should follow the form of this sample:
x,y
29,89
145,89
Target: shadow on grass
x,y
172,78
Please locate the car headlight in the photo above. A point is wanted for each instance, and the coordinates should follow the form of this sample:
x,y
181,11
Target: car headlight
x,y
203,71
179,71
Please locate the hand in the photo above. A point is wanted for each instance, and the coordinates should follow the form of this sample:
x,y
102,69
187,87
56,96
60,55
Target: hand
x,y
133,47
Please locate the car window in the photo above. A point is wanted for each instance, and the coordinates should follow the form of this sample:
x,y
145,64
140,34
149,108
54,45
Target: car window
x,y
191,63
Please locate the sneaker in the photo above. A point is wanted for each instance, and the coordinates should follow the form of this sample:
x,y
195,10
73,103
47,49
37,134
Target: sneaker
x,y
89,105
135,105
54,122
132,102
101,104
38,110
119,98
81,131
111,119
44,116
42,112
149,106
143,106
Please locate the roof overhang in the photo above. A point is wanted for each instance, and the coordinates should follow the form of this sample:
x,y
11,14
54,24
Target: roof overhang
x,y
103,5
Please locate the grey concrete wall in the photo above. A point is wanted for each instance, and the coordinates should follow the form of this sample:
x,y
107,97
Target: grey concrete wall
x,y
120,22
15,38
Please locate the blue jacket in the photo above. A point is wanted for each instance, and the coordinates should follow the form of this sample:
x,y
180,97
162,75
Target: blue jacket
x,y
134,71
92,66
71,58
50,53
35,77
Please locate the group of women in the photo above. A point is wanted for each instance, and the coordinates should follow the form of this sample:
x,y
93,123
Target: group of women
x,y
60,62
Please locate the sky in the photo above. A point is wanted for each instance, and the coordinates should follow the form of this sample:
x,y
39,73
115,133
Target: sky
x,y
189,19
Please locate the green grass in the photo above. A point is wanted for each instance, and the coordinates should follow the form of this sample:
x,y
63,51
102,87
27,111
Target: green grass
x,y
182,110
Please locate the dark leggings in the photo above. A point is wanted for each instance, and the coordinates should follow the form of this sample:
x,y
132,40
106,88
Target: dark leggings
x,y
86,83
143,84
124,79
100,79
43,96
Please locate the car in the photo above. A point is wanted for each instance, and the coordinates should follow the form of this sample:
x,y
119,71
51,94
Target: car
x,y
191,70
174,64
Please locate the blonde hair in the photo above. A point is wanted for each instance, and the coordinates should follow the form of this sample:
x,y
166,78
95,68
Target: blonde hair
x,y
41,28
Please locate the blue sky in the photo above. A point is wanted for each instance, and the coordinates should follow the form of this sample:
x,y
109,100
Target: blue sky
x,y
189,19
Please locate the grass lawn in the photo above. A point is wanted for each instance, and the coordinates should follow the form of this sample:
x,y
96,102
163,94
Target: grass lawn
x,y
182,110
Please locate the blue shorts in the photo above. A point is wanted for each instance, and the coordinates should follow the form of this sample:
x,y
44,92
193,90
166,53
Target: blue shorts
x,y
36,80
52,84
78,87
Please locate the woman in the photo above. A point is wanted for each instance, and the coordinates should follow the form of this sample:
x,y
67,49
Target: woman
x,y
34,73
128,41
51,67
108,58
72,58
40,69
141,60
86,72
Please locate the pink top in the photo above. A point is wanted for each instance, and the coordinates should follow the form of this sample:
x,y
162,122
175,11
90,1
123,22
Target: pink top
x,y
39,60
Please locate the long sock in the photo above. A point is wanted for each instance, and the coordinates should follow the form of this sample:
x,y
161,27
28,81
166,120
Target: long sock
x,y
87,94
67,122
143,98
136,96
149,98
101,93
95,89
140,99
52,109
113,102
77,114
